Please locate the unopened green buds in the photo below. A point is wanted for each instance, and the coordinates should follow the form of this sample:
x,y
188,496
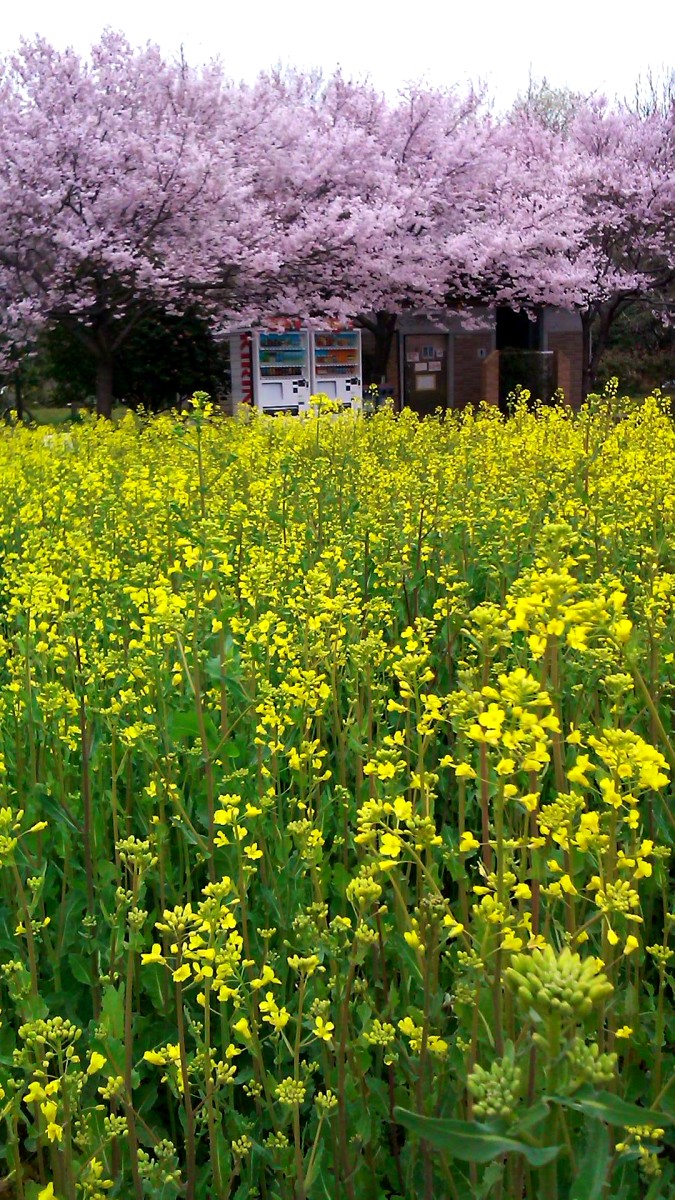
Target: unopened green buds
x,y
588,1065
562,984
496,1091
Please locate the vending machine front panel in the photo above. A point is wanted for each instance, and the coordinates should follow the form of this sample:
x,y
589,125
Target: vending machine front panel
x,y
283,370
337,365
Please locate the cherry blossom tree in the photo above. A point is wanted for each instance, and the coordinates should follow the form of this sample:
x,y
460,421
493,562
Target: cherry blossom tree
x,y
129,184
431,156
525,246
118,191
624,176
336,202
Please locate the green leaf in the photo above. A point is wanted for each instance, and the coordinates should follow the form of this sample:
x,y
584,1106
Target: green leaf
x,y
153,977
314,1173
470,1141
34,1008
409,958
610,1109
112,1010
50,808
534,1116
491,1177
183,725
224,1153
589,1183
80,968
214,669
32,1189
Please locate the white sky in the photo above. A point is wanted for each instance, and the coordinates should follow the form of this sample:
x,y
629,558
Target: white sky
x,y
588,45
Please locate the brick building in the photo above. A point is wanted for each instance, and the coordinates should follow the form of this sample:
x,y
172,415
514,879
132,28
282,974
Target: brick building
x,y
449,360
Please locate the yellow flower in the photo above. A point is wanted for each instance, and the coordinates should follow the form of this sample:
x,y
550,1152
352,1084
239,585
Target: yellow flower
x,y
530,800
631,944
96,1062
436,1045
468,842
578,773
537,645
511,941
267,976
413,939
155,956
323,1029
275,1016
49,1111
155,1057
621,630
624,1032
182,973
390,845
465,771
522,891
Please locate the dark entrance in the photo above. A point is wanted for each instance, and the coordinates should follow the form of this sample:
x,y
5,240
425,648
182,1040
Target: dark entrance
x,y
519,331
426,372
522,360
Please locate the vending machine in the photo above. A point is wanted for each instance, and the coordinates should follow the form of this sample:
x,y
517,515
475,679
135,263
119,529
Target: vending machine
x,y
336,363
277,371
281,370
271,369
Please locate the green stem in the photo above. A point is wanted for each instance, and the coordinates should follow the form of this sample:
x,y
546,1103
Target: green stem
x,y
190,1143
132,1136
210,1111
28,922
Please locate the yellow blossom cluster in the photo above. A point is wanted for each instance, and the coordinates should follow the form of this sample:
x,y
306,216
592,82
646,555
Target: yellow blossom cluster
x,y
336,770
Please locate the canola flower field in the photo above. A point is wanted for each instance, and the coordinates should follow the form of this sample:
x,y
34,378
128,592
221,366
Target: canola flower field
x,y
336,762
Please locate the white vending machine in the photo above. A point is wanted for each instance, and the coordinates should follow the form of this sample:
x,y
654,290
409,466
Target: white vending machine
x,y
336,363
281,371
278,370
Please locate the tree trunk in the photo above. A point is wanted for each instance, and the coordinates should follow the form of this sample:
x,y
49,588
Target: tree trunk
x,y
385,328
104,386
607,317
601,320
586,379
18,396
382,325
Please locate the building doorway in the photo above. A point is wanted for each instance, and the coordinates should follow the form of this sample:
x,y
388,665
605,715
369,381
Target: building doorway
x,y
523,362
516,330
425,372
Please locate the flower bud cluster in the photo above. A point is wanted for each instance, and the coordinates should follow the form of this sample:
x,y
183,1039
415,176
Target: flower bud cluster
x,y
588,1065
496,1092
161,1172
561,984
